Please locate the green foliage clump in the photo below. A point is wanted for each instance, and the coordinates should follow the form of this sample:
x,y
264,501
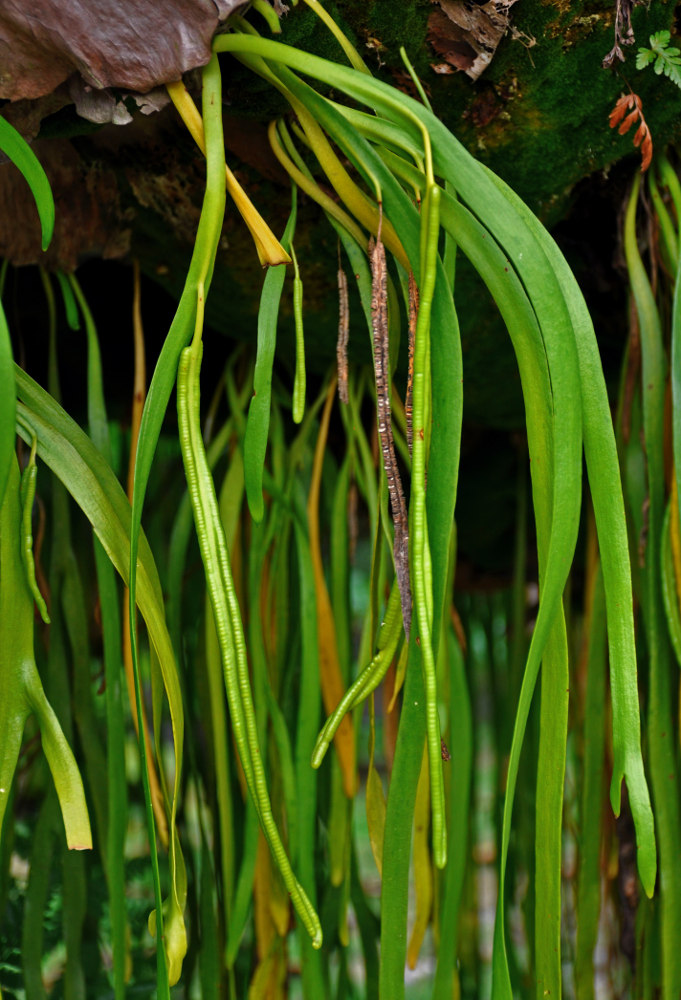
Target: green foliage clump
x,y
248,661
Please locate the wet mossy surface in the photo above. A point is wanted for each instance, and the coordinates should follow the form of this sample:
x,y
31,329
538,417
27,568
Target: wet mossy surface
x,y
538,116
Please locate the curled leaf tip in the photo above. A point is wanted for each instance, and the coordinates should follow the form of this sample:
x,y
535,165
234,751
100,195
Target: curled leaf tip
x,y
270,251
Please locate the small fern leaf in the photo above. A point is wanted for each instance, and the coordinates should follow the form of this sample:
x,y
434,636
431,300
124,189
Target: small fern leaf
x,y
672,70
660,40
664,57
644,58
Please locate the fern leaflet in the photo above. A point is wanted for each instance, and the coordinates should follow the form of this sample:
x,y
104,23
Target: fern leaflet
x,y
664,58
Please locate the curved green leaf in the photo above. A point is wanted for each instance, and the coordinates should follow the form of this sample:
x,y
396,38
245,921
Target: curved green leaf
x,y
23,157
7,403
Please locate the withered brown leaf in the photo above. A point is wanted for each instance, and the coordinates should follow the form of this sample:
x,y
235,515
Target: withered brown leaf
x,y
343,335
379,319
625,114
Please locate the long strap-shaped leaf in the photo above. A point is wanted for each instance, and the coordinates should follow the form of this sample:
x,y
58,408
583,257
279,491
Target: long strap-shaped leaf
x,y
543,494
562,314
676,377
7,403
228,623
566,470
23,157
481,193
21,690
588,900
606,491
198,279
258,422
663,756
522,325
77,463
113,658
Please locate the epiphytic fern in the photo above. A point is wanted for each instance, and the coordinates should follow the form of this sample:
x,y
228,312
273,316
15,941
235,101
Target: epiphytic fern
x,y
665,58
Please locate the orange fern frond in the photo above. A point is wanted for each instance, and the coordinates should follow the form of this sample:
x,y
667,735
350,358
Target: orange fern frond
x,y
626,113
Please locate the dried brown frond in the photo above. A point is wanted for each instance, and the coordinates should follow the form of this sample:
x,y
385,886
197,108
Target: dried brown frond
x,y
343,335
624,33
398,506
625,114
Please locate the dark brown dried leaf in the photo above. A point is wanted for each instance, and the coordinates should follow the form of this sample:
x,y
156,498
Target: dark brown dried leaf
x,y
398,506
632,103
127,44
466,34
622,105
628,122
343,335
646,144
624,33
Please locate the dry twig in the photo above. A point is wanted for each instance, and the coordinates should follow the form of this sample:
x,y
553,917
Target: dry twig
x,y
624,33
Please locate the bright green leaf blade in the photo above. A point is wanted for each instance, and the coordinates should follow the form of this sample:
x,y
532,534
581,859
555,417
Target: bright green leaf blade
x,y
606,490
23,157
68,451
7,403
258,421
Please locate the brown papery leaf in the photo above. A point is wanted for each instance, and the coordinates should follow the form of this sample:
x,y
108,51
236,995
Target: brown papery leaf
x,y
466,35
632,103
343,335
628,122
127,44
379,320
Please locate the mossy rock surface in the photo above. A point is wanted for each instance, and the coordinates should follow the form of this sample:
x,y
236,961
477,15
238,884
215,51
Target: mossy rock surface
x,y
538,116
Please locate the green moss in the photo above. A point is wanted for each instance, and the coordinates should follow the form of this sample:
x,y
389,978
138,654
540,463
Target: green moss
x,y
389,24
539,115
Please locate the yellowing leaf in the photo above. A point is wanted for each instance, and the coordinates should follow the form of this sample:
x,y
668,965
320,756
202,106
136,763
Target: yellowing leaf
x,y
423,869
329,665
